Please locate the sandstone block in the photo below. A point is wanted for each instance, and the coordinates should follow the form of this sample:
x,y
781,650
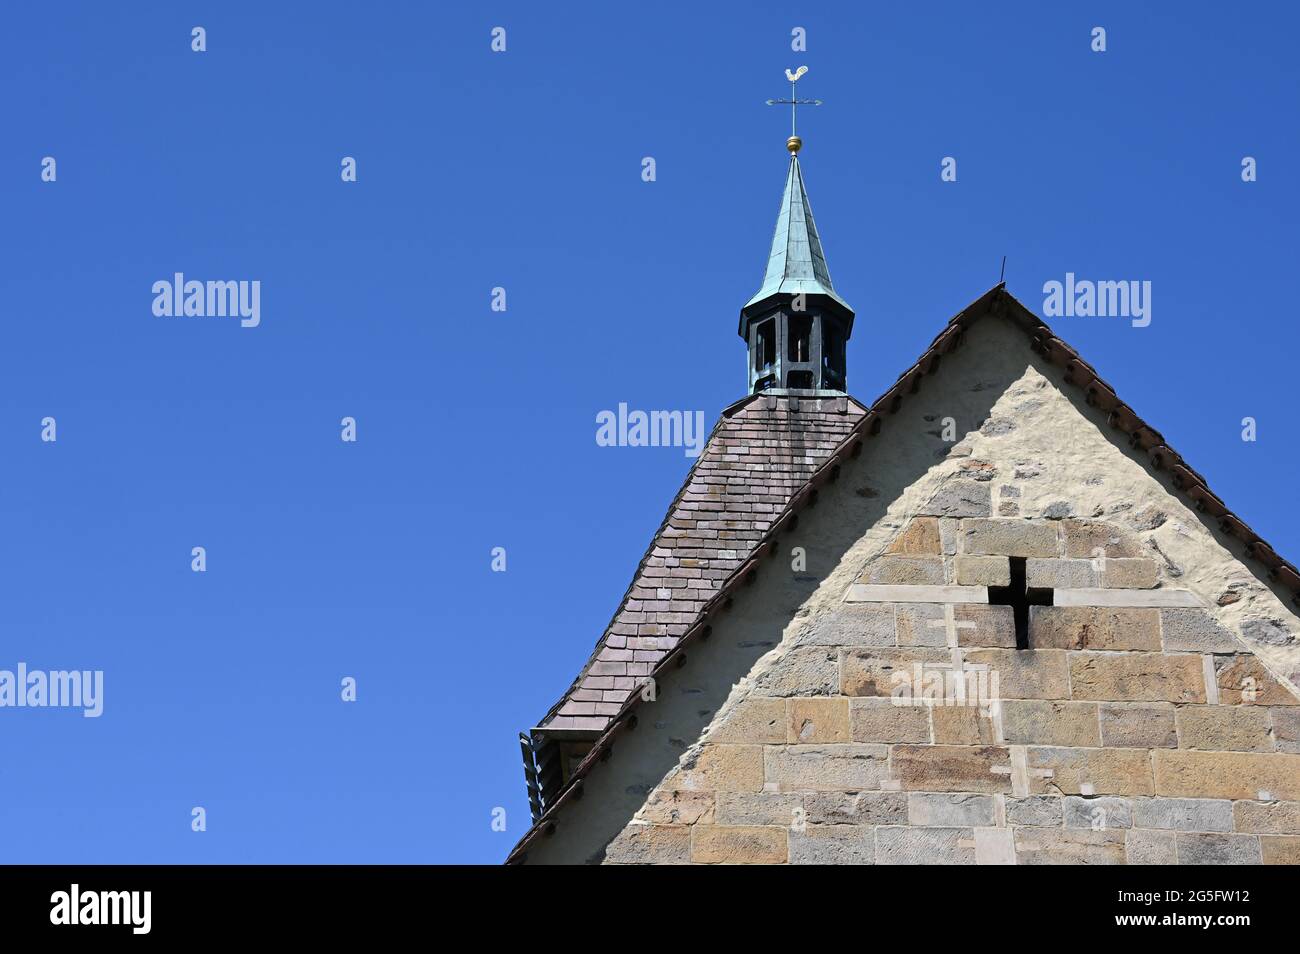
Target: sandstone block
x,y
921,624
1286,728
666,807
1037,811
931,809
1280,849
788,809
1225,728
951,768
1077,771
1020,538
879,720
872,672
818,720
802,671
1151,847
1085,627
925,846
1191,630
748,809
1097,814
1183,814
720,768
851,624
995,626
856,808
1038,722
1266,818
919,538
1083,538
949,535
833,845
1192,774
1199,849
1138,725
960,498
975,624
725,845
1126,573
1049,846
1059,574
1137,677
962,725
1026,673
754,719
906,571
812,768
1243,679
650,845
983,570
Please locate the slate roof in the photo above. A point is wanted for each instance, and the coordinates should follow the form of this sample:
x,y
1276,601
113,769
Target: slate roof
x,y
762,450
797,263
865,427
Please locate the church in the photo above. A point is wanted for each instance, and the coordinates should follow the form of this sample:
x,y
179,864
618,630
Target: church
x,y
990,617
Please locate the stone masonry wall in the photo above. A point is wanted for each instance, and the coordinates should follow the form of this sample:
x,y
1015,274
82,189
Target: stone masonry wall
x,y
1121,734
777,741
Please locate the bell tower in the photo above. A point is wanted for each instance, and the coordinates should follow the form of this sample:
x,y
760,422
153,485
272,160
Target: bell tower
x,y
796,326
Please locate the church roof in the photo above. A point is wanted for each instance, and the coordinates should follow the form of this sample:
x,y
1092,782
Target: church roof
x,y
761,452
797,263
760,435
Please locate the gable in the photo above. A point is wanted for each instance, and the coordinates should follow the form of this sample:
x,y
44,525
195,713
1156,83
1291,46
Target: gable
x,y
1034,461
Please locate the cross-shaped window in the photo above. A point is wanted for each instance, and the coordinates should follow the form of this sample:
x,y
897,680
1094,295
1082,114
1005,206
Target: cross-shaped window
x,y
1019,596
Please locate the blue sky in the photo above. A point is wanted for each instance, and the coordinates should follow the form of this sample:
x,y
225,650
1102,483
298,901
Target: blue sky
x,y
476,428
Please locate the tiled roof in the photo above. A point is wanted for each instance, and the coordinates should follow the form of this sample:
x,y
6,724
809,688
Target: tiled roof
x,y
763,449
1078,372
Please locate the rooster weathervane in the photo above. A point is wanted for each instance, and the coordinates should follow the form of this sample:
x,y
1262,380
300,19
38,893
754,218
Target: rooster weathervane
x,y
794,142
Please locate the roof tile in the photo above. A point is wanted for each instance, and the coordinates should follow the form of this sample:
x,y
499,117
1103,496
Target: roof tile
x,y
761,452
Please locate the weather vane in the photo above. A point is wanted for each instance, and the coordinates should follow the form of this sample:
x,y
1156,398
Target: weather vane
x,y
794,142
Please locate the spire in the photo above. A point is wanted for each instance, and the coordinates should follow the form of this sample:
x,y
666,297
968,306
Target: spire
x,y
797,263
795,325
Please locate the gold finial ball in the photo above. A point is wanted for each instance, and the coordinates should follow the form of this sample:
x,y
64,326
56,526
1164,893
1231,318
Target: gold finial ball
x,y
794,144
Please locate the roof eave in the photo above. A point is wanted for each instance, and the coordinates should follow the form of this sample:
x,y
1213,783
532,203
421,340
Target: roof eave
x,y
767,300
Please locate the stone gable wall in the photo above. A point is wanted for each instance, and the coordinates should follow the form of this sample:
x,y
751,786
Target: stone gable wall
x,y
1121,734
778,740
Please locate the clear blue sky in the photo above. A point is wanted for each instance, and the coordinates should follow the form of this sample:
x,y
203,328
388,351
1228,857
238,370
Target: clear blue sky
x,y
476,428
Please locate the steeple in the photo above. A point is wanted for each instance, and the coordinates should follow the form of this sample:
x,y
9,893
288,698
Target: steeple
x,y
797,263
796,325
